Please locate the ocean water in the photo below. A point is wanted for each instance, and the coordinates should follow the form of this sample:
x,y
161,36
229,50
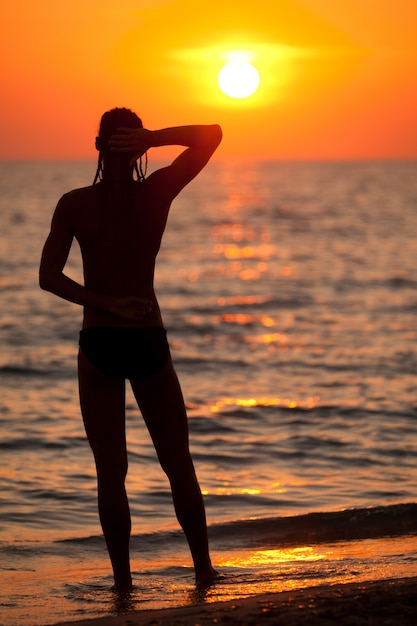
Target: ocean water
x,y
289,295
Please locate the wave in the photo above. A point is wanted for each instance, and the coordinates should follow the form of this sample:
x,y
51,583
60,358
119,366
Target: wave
x,y
14,370
61,372
274,532
348,525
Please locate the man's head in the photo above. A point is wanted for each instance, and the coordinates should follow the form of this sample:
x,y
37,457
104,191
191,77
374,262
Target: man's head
x,y
110,122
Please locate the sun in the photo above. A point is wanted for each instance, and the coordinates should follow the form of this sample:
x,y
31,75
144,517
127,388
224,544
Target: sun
x,y
238,79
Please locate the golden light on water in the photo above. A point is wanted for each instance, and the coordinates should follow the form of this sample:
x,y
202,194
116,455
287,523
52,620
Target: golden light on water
x,y
244,319
233,251
267,558
230,491
252,246
308,403
285,566
249,299
236,318
227,489
268,338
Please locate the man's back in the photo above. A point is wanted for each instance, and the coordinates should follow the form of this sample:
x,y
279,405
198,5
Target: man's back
x,y
119,229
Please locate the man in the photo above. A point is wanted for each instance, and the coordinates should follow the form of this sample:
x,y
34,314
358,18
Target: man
x,y
119,223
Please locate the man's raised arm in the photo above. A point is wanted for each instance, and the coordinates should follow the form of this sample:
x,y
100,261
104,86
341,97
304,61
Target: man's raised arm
x,y
200,141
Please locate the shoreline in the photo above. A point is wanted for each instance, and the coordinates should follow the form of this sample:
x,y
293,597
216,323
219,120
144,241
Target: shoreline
x,y
388,602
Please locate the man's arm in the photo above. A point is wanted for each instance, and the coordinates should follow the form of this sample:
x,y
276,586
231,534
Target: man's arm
x,y
200,141
52,278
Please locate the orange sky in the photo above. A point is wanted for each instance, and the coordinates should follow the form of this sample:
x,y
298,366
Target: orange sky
x,y
338,77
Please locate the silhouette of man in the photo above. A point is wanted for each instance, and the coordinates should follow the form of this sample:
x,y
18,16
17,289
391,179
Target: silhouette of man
x,y
119,222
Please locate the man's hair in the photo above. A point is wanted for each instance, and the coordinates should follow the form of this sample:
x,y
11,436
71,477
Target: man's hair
x,y
110,122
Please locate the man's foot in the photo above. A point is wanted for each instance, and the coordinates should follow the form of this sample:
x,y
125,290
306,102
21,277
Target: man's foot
x,y
204,580
123,586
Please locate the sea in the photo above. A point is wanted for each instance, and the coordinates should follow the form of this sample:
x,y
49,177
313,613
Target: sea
x,y
289,293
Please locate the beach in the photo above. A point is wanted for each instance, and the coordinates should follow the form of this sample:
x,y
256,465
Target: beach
x,y
383,603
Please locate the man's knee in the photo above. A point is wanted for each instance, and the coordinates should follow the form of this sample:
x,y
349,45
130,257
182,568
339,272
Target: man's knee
x,y
177,465
111,472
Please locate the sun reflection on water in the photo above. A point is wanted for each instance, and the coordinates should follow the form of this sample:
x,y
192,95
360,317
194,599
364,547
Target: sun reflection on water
x,y
266,558
308,403
247,299
233,251
276,570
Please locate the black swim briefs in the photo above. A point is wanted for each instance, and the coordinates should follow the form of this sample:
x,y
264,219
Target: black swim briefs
x,y
123,352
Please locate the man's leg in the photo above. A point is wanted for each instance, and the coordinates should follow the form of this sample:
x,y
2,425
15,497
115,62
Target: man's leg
x,y
102,401
162,406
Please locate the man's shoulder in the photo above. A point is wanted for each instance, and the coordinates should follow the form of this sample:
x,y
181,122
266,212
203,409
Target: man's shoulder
x,y
79,194
74,205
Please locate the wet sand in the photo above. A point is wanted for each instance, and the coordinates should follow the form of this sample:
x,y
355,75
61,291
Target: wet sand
x,y
383,603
